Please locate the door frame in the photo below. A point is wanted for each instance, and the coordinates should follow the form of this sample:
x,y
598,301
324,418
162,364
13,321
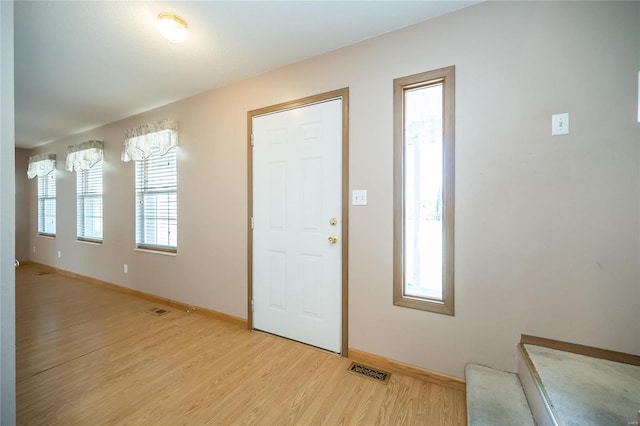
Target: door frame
x,y
310,100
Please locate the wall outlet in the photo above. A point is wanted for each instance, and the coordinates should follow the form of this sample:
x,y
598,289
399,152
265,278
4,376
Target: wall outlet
x,y
126,268
34,249
59,254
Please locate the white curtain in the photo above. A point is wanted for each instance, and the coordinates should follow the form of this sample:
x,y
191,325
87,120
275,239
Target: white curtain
x,y
41,165
83,156
150,139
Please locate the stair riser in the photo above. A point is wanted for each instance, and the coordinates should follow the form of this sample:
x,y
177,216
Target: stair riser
x,y
539,407
495,398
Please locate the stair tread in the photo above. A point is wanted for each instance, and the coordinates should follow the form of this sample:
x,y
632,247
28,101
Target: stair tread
x,y
495,397
587,391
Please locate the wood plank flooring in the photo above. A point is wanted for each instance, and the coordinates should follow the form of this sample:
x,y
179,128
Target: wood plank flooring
x,y
88,355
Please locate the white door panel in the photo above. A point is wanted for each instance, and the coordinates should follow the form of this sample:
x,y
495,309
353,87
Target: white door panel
x,y
297,190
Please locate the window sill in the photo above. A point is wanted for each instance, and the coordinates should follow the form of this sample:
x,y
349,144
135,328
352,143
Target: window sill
x,y
162,252
438,307
90,242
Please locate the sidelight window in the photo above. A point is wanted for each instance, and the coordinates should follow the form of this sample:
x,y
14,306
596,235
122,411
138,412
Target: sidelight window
x,y
424,190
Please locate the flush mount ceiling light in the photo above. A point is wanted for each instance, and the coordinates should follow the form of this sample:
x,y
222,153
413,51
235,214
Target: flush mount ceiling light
x,y
172,27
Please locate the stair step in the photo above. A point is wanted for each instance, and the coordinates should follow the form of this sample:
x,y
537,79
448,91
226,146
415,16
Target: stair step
x,y
582,390
495,398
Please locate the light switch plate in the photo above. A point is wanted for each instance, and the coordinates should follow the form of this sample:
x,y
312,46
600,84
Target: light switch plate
x,y
359,197
560,124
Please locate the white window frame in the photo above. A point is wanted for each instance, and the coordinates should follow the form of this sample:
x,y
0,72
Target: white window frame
x,y
149,216
89,187
46,200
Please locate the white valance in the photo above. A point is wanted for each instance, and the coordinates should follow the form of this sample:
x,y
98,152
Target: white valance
x,y
150,139
84,156
41,165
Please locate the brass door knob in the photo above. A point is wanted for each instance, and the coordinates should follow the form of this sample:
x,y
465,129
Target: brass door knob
x,y
333,239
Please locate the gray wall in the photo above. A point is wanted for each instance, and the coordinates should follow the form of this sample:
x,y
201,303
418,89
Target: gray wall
x,y
22,204
7,212
546,237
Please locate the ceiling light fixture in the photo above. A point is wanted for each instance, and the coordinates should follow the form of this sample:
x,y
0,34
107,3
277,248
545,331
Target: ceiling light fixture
x,y
172,27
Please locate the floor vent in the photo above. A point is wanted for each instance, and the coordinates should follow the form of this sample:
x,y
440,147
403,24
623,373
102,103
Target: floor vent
x,y
157,311
371,373
42,273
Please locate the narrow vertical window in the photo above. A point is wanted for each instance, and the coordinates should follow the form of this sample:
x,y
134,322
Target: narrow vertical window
x,y
43,167
424,191
89,203
156,202
86,160
152,146
47,204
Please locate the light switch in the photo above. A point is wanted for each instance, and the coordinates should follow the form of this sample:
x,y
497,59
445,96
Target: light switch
x,y
359,197
560,124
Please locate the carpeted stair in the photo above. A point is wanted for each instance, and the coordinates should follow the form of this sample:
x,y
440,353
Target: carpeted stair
x,y
556,388
495,398
581,390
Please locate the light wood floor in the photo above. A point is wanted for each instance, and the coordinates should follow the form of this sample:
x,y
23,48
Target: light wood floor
x,y
88,355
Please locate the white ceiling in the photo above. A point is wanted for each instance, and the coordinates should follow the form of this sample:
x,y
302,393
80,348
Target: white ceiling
x,y
82,64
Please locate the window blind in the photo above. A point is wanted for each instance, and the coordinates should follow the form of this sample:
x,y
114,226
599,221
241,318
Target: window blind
x,y
89,203
156,202
47,204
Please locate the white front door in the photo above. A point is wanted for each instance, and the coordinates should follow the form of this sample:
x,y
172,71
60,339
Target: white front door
x,y
297,223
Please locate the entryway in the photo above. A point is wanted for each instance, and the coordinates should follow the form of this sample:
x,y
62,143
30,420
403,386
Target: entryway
x,y
298,220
